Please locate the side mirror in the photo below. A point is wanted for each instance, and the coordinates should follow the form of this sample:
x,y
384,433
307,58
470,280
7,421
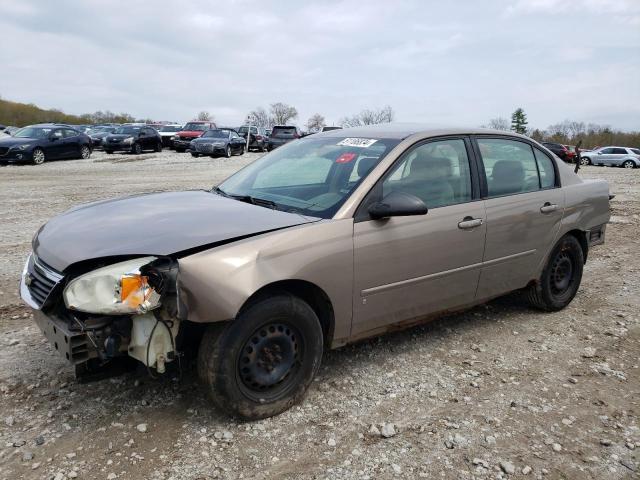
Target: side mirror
x,y
398,204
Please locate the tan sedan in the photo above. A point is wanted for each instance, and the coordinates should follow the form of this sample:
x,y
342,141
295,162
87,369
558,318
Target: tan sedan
x,y
329,239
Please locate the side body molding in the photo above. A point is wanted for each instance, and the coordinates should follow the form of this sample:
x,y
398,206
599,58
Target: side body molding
x,y
213,285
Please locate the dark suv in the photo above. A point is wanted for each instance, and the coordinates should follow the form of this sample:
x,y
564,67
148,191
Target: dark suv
x,y
132,138
560,150
281,134
258,139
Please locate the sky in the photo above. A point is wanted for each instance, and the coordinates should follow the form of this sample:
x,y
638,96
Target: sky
x,y
438,62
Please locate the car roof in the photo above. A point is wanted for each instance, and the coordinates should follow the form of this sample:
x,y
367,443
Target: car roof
x,y
400,131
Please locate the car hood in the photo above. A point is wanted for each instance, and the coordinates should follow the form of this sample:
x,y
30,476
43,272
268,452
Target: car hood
x,y
13,141
189,133
210,140
119,136
153,224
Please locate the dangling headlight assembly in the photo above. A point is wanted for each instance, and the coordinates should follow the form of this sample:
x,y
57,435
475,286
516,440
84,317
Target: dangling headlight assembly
x,y
113,290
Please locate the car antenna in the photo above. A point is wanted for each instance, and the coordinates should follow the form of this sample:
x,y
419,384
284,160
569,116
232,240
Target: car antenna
x,y
577,150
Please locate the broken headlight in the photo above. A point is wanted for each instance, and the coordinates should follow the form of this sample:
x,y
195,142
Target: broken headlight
x,y
115,289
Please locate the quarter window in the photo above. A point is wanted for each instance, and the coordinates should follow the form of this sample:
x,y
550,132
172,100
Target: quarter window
x,y
436,172
619,151
509,166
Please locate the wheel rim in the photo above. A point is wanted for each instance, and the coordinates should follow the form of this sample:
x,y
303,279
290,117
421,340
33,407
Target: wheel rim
x,y
137,148
228,152
269,360
561,273
628,165
584,161
85,152
38,156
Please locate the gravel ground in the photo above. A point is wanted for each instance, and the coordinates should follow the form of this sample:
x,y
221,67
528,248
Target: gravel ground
x,y
500,391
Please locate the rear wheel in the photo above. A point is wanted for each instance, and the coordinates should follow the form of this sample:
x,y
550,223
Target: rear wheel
x,y
561,276
195,155
38,156
227,152
263,362
158,147
109,152
584,161
180,150
628,164
136,149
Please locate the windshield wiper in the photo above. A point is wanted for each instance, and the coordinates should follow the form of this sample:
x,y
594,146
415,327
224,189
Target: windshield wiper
x,y
261,202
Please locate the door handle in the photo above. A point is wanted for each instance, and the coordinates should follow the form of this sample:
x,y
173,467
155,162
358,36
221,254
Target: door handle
x,y
469,222
548,208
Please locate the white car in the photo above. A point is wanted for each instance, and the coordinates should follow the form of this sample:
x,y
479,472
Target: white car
x,y
167,132
612,156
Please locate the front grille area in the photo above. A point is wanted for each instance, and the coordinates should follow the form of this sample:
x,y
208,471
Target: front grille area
x,y
204,147
42,279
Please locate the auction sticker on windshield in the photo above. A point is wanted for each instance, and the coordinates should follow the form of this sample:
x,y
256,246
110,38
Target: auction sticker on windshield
x,y
357,142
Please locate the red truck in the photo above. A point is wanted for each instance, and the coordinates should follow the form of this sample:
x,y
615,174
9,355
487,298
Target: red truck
x,y
191,130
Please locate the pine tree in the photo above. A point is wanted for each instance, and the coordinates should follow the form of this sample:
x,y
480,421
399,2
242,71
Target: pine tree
x,y
519,121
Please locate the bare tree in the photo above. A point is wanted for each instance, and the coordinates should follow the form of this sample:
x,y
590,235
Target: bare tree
x,y
499,123
315,123
369,117
261,118
281,113
204,116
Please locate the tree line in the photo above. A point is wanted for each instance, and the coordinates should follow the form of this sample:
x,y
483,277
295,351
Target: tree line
x,y
567,132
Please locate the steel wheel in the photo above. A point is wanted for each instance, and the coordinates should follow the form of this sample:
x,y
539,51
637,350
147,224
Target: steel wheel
x,y
85,152
38,156
268,359
561,273
628,164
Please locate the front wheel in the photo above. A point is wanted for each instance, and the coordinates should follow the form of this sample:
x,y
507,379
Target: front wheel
x,y
158,147
136,149
262,363
561,276
38,157
628,164
85,152
584,161
195,155
180,150
227,152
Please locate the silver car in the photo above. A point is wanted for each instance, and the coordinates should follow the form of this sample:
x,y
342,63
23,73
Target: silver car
x,y
330,239
612,157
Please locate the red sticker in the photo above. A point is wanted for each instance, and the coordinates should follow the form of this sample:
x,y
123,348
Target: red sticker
x,y
346,157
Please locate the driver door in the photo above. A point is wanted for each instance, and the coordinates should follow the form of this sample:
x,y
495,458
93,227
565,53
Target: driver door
x,y
55,147
406,268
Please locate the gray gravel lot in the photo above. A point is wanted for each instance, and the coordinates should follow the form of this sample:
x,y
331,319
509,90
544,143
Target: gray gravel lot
x,y
500,391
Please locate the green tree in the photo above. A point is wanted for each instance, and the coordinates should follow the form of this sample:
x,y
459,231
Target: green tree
x,y
519,121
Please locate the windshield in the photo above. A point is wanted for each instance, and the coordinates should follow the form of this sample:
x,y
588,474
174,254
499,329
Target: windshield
x,y
195,127
170,129
215,134
32,132
127,130
314,176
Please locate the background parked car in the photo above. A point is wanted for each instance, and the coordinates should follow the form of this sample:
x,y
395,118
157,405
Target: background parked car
x,y
98,135
167,133
133,138
281,134
191,130
219,141
612,156
258,139
561,151
10,130
46,141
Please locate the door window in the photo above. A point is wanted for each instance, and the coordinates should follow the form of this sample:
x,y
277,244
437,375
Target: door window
x,y
436,172
57,133
509,166
606,151
546,169
68,133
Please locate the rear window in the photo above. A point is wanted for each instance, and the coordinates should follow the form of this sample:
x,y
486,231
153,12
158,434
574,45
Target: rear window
x,y
635,150
283,131
196,127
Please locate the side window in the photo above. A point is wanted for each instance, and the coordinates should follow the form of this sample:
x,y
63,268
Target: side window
x,y
545,167
68,133
436,172
606,151
509,166
57,133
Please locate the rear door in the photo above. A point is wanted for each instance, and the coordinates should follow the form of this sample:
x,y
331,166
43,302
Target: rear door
x,y
617,156
71,143
406,268
524,206
55,146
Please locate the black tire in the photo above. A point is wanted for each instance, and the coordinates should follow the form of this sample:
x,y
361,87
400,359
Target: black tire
x,y
560,277
136,149
195,155
628,164
281,331
158,147
180,150
108,152
227,152
85,152
584,161
38,157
